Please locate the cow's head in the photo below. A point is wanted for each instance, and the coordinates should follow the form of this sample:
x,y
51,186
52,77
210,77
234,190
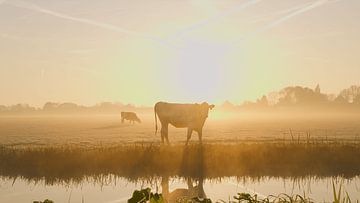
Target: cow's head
x,y
138,119
204,109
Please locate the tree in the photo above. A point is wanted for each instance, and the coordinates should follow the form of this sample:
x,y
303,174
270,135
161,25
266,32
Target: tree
x,y
350,93
263,101
300,95
3,108
357,99
228,105
21,108
340,100
67,106
50,106
317,89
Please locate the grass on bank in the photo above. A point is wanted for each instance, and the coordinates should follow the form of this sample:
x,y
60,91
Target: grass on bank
x,y
210,161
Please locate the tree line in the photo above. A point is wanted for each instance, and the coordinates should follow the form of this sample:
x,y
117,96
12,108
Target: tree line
x,y
292,96
298,96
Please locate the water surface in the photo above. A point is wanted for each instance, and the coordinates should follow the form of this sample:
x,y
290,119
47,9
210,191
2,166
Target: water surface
x,y
120,190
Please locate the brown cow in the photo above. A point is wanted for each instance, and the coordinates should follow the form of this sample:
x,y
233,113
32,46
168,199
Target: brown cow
x,y
131,116
190,116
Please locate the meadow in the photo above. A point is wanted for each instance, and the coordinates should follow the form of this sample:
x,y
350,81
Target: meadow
x,y
73,149
106,129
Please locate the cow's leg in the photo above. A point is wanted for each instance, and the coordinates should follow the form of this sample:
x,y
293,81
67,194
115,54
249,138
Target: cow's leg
x,y
200,135
122,120
167,135
189,132
164,132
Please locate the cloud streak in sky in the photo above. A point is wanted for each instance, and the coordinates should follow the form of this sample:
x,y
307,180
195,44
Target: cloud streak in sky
x,y
272,24
102,25
207,21
288,10
315,36
293,14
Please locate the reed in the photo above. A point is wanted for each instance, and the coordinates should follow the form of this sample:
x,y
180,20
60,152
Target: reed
x,y
211,161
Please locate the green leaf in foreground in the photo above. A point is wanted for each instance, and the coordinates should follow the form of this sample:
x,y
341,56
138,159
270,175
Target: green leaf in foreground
x,y
45,201
145,195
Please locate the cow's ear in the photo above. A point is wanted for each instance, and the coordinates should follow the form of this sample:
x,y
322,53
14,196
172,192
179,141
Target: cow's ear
x,y
211,106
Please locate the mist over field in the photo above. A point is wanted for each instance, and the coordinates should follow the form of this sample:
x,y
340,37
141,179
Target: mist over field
x,y
195,101
318,132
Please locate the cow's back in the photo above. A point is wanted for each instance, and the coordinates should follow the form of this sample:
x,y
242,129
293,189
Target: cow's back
x,y
179,115
128,115
132,116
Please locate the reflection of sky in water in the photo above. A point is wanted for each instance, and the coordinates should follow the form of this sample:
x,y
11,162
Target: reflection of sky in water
x,y
121,190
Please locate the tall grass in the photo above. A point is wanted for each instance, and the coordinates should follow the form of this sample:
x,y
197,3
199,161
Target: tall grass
x,y
70,163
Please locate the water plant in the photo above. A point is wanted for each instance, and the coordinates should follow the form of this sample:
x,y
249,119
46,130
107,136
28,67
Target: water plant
x,y
340,196
144,196
45,201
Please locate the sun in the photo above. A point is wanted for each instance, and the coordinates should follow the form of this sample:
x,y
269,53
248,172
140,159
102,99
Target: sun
x,y
199,71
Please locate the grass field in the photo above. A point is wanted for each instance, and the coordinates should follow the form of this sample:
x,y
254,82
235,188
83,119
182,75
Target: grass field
x,y
94,130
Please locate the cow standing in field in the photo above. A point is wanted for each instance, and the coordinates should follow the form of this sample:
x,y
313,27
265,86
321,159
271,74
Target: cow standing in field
x,y
190,116
131,116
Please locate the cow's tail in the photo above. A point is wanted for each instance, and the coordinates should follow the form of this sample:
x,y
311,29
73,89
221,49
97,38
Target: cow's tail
x,y
156,126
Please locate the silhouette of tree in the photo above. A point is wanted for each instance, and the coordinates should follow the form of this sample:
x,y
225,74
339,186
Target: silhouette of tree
x,y
357,99
3,108
301,96
331,97
273,98
50,106
110,107
340,100
350,93
317,89
21,108
68,106
263,101
228,105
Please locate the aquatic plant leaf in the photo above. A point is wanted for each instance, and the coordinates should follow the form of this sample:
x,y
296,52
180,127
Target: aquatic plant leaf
x,y
243,196
156,198
45,201
198,200
140,196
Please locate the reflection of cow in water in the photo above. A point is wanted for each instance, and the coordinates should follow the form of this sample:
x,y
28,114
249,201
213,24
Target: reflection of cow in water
x,y
131,116
182,194
190,116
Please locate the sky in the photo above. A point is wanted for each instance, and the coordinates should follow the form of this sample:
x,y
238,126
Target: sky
x,y
141,52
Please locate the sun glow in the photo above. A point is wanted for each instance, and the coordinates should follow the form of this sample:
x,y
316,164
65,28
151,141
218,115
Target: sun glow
x,y
183,51
198,72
